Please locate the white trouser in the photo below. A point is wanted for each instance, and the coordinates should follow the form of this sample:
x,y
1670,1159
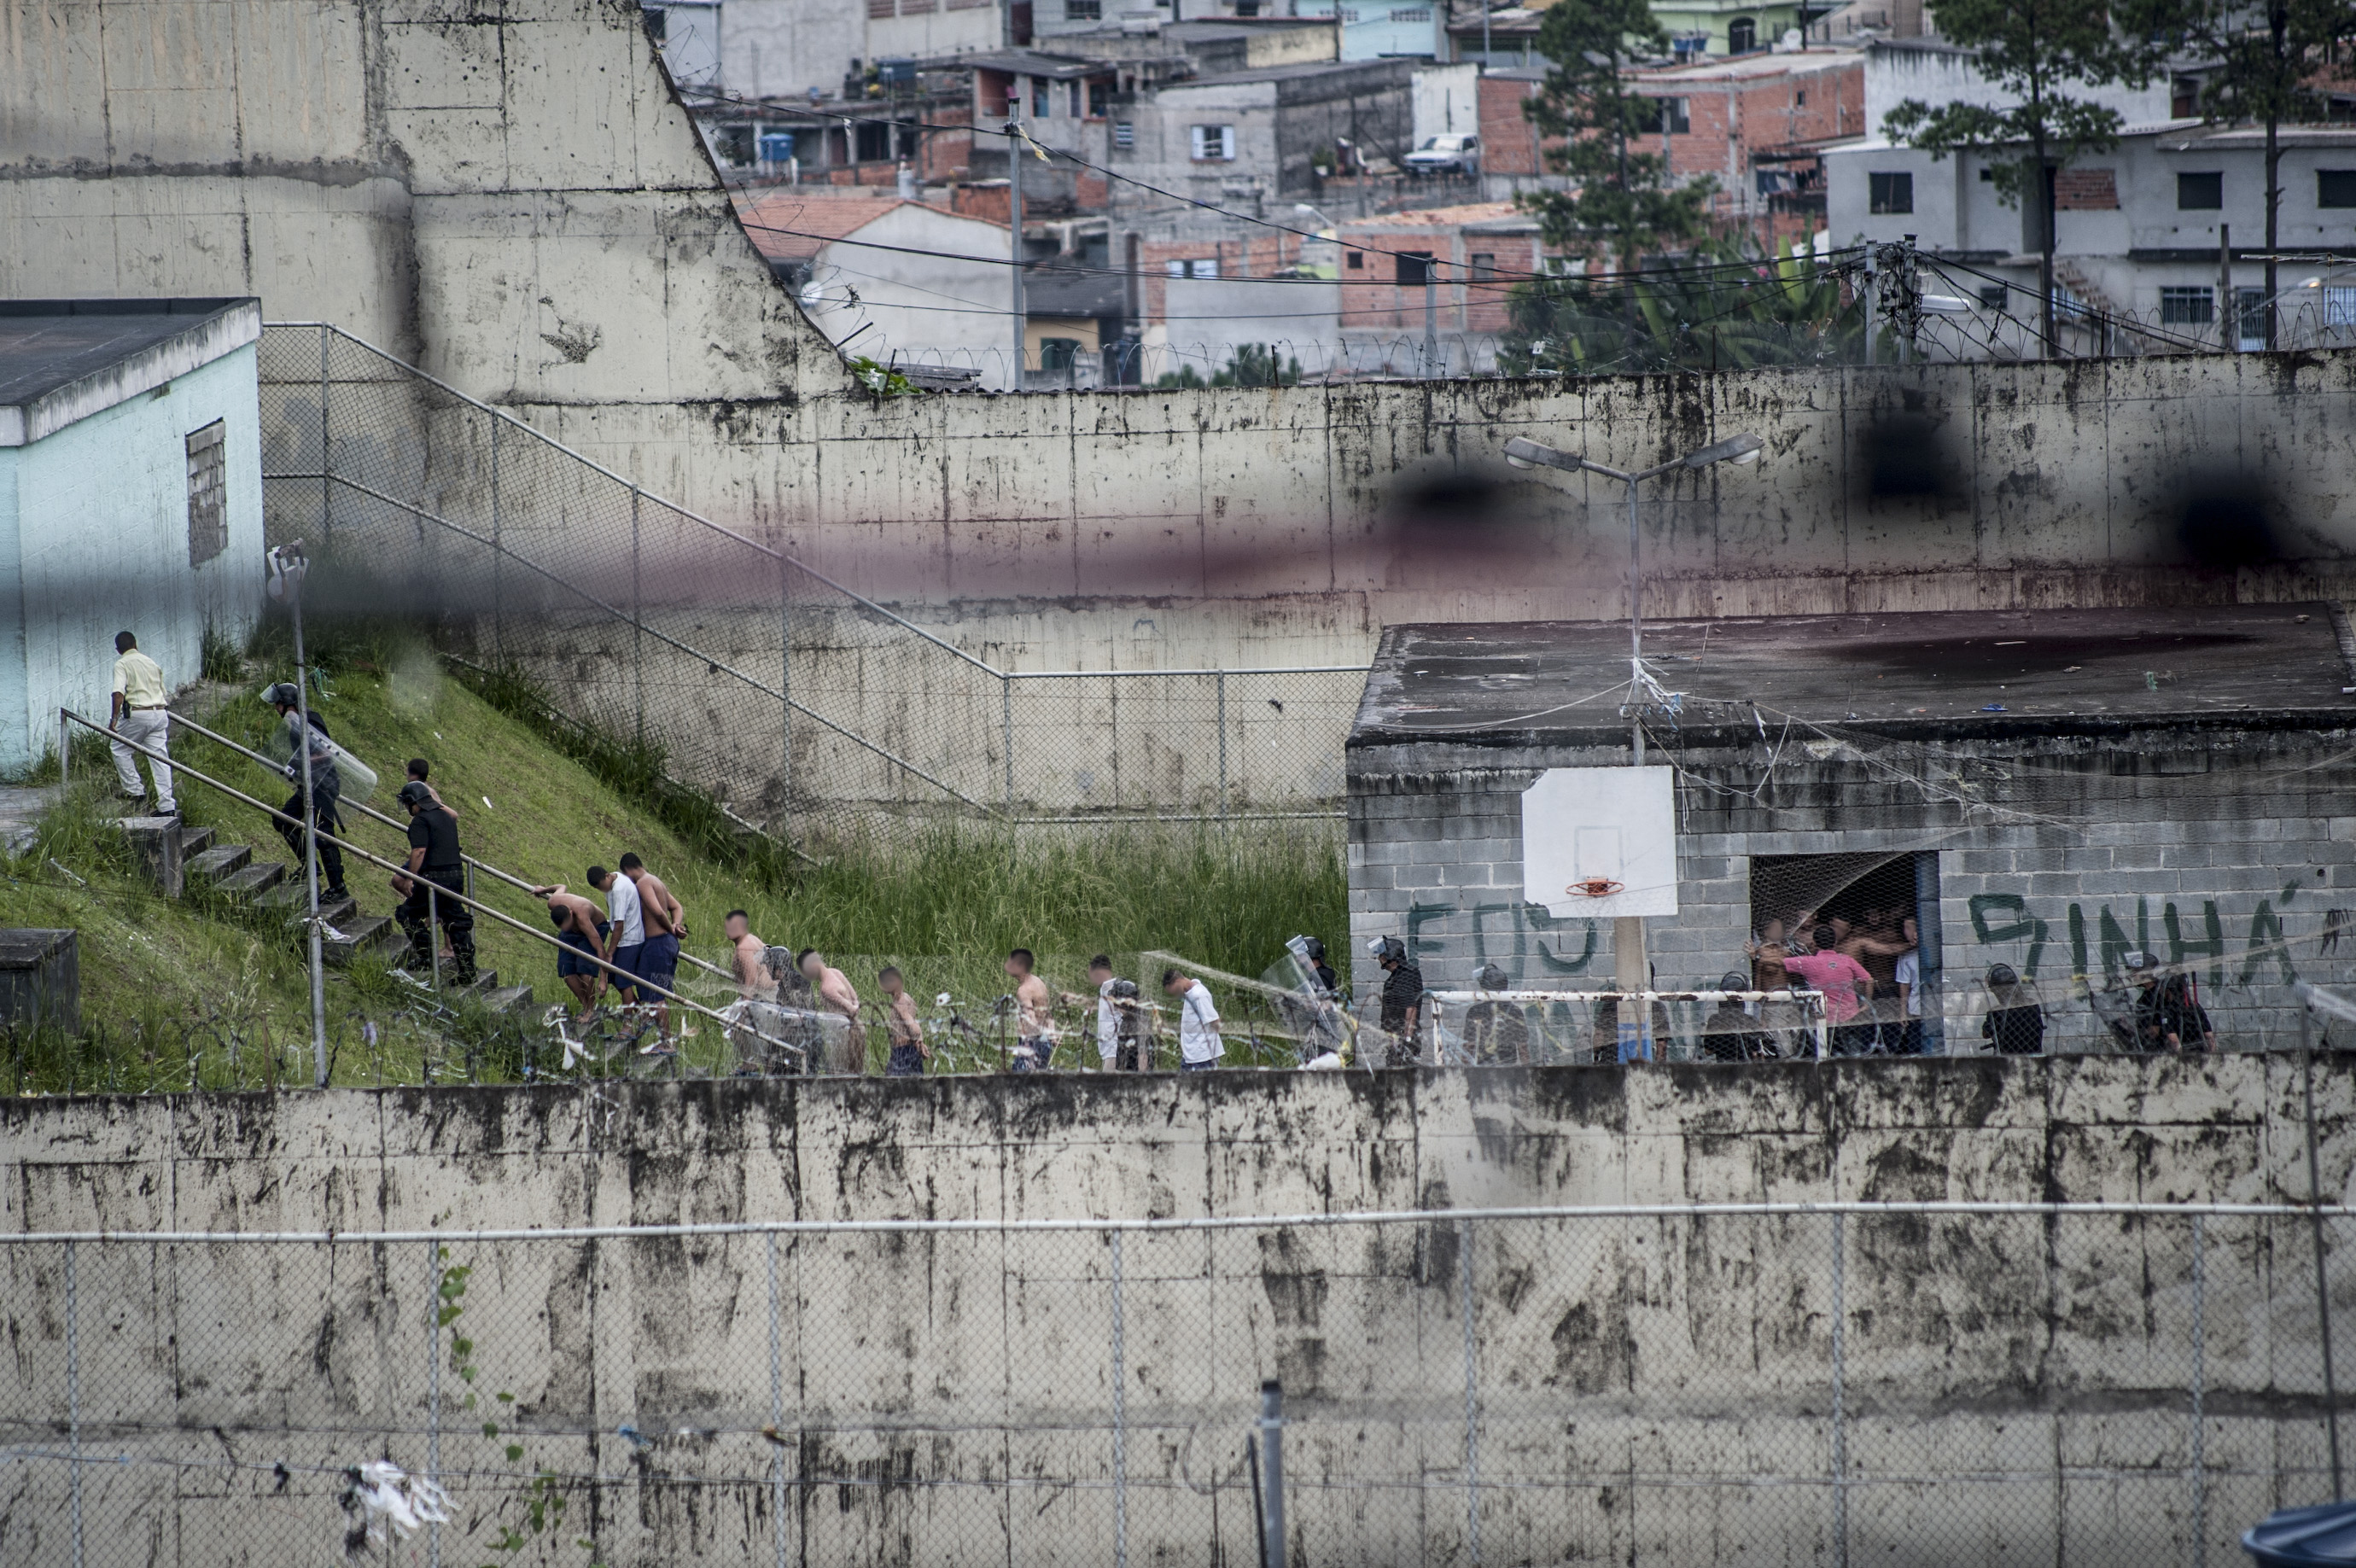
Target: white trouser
x,y
150,728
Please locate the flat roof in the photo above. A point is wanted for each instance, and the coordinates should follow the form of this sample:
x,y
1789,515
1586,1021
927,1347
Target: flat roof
x,y
1921,673
63,360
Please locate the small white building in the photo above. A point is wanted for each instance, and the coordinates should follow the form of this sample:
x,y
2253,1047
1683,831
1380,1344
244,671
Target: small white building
x,y
2136,230
896,281
130,496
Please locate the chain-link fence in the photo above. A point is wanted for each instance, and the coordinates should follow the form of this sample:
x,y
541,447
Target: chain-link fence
x,y
805,707
1952,1383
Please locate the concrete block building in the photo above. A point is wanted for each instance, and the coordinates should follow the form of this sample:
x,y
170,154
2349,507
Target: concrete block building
x,y
130,496
2052,790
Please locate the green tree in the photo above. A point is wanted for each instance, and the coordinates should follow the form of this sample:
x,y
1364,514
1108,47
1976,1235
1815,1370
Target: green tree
x,y
2268,57
1622,202
2043,54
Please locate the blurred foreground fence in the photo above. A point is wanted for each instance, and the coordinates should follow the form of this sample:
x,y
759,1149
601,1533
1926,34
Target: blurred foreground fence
x,y
2126,1385
805,707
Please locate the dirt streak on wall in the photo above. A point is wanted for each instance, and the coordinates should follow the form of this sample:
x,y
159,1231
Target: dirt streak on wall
x,y
515,200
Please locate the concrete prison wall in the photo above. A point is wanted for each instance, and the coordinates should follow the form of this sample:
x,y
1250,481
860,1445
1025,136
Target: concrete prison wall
x,y
2111,1387
519,204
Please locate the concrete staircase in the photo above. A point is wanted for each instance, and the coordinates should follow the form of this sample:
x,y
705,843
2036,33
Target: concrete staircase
x,y
232,871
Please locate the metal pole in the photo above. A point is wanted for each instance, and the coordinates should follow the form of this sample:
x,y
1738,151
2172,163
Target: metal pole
x,y
638,621
1632,969
2227,328
1271,1458
326,483
1223,745
1840,1414
2314,1216
1471,1393
1430,318
434,1388
786,693
65,747
2200,1379
777,1401
1006,721
1015,216
73,1399
1868,302
310,839
1119,1420
499,642
433,931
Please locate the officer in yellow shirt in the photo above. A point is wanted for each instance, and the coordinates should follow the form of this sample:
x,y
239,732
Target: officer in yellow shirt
x,y
138,715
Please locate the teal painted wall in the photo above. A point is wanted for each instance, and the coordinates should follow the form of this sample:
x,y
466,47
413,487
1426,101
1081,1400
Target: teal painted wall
x,y
95,539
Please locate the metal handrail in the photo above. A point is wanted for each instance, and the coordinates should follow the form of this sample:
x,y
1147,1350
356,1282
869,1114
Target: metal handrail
x,y
631,486
368,811
701,520
711,665
629,980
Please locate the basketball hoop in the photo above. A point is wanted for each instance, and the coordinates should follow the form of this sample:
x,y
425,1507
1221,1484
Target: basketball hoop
x,y
1595,888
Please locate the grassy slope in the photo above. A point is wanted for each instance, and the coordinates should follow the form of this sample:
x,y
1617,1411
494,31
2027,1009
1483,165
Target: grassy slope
x,y
946,908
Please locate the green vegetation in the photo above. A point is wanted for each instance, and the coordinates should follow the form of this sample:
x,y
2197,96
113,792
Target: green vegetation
x,y
1784,311
1251,364
200,992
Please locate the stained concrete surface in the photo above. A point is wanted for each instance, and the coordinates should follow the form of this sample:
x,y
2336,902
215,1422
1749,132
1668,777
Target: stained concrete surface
x,y
948,1398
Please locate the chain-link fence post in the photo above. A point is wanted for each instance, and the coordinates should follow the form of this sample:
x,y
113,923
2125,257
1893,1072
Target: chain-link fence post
x,y
433,1389
1472,1394
326,469
1272,1461
1119,1420
786,696
638,621
1223,746
498,557
2315,1218
73,1399
2200,1381
1006,721
776,1404
1841,1412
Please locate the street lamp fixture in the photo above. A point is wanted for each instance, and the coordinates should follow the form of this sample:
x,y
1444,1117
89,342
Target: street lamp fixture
x,y
1740,450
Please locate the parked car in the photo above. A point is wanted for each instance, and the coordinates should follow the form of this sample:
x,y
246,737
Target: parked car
x,y
1446,156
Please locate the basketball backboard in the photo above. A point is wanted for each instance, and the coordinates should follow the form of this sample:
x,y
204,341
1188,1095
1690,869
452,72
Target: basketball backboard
x,y
1601,842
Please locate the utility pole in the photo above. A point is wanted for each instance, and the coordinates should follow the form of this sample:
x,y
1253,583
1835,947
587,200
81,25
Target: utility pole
x,y
1015,214
2227,325
1430,318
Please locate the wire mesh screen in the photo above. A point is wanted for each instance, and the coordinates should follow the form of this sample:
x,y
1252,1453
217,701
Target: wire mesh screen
x,y
801,704
1897,1382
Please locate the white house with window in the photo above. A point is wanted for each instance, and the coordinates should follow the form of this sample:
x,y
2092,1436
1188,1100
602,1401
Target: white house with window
x,y
2136,230
1249,137
1373,29
130,496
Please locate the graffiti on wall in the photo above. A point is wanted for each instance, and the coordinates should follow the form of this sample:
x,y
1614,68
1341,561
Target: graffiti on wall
x,y
2102,943
1523,936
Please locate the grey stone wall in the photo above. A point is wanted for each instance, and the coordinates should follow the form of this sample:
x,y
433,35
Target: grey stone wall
x,y
2226,850
1647,1388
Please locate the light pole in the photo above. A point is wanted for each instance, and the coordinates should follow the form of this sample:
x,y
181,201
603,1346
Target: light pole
x,y
287,570
1631,971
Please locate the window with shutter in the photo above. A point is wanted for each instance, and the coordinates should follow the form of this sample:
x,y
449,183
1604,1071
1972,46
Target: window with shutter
x,y
208,493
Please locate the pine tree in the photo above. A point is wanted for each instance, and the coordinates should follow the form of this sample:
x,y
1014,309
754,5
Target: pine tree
x,y
1622,203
